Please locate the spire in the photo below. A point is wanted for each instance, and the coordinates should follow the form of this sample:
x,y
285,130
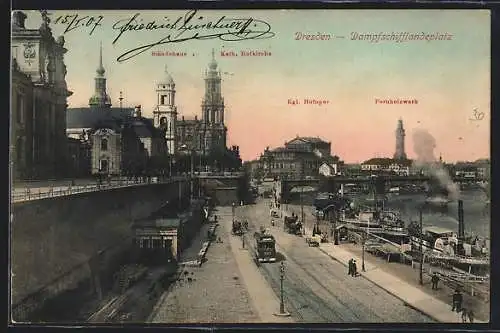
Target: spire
x,y
100,69
167,77
121,99
213,63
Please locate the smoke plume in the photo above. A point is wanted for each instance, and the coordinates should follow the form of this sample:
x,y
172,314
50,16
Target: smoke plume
x,y
423,146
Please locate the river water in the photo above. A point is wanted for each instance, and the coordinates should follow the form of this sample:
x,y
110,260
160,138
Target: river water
x,y
476,214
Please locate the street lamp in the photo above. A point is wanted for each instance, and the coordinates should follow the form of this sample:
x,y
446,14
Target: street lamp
x,y
421,271
184,146
363,251
282,278
232,209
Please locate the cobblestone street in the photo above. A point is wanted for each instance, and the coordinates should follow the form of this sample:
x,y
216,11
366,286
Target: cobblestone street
x,y
212,293
317,288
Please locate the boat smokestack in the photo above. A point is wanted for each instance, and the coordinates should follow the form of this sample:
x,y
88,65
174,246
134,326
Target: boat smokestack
x,y
461,227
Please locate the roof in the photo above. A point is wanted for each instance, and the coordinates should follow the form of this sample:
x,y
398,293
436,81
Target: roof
x,y
112,118
144,128
185,122
160,223
437,230
387,161
308,139
87,117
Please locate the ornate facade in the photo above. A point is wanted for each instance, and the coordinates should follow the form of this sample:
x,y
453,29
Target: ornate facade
x,y
39,101
121,140
199,135
165,114
300,157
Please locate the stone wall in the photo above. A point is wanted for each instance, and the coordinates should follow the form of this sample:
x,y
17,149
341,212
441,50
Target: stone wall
x,y
51,236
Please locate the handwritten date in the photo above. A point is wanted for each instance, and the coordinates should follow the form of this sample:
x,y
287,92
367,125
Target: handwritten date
x,y
73,22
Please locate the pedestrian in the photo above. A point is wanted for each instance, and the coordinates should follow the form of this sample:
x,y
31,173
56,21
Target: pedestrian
x,y
435,280
464,315
457,301
350,267
471,316
354,268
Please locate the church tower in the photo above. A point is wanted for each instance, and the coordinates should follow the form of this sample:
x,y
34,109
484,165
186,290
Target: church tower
x,y
400,142
165,113
213,108
100,99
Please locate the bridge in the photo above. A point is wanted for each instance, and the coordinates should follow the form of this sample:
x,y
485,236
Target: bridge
x,y
331,184
51,189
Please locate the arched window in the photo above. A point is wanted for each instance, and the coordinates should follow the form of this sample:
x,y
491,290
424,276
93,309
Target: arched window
x,y
104,144
20,151
163,122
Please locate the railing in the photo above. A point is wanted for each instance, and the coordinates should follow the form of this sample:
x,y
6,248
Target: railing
x,y
203,174
27,194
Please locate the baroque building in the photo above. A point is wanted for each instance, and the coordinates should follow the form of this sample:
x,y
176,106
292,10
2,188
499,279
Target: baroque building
x,y
165,114
121,140
201,135
38,101
299,158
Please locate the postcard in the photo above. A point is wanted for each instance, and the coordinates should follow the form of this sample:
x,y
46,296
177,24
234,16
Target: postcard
x,y
250,166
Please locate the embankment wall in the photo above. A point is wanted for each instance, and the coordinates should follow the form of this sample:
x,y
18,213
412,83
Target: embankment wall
x,y
51,236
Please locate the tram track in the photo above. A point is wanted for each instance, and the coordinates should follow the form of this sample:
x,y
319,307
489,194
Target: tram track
x,y
318,289
308,302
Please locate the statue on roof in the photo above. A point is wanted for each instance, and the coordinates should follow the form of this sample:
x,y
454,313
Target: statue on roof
x,y
45,21
45,17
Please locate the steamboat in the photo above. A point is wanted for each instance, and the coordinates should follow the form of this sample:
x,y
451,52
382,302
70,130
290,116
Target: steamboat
x,y
464,254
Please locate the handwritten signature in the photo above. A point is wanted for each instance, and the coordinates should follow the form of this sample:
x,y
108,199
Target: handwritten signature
x,y
192,26
477,115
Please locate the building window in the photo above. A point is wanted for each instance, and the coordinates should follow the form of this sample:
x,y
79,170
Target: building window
x,y
20,109
104,144
20,151
103,166
163,121
162,99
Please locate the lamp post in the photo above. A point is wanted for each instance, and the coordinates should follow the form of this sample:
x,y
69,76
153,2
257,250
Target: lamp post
x,y
192,173
232,210
421,279
282,277
363,252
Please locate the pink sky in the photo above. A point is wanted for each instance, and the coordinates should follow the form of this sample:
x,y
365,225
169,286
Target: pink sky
x,y
449,78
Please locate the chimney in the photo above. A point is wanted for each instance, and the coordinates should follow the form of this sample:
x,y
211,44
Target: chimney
x,y
461,227
195,117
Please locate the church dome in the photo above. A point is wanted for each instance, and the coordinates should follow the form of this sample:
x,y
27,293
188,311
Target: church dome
x,y
213,64
167,78
100,100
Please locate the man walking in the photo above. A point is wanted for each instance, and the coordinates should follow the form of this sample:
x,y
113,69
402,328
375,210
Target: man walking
x,y
471,316
435,280
350,266
354,268
464,315
457,301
